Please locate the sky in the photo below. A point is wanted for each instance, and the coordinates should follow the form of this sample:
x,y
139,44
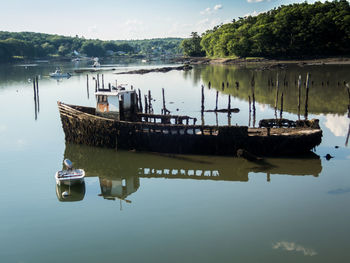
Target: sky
x,y
131,19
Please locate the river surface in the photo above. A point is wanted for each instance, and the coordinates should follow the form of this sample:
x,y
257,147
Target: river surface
x,y
146,207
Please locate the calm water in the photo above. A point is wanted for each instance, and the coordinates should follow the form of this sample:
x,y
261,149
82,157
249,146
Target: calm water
x,y
142,207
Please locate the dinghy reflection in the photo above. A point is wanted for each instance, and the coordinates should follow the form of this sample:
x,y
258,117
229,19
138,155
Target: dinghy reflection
x,y
120,172
70,193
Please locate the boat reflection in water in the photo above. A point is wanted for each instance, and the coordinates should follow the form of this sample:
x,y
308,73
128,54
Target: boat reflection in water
x,y
113,188
70,193
120,172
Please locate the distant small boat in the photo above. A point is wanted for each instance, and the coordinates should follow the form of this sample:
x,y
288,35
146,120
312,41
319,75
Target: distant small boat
x,y
59,74
70,176
96,63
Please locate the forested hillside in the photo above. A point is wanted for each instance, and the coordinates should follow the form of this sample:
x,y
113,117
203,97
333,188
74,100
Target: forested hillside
x,y
292,31
38,45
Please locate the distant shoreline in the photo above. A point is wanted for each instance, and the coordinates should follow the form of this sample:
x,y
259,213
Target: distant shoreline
x,y
262,61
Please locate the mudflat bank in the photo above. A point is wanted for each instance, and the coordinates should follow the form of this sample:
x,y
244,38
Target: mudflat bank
x,y
163,69
262,61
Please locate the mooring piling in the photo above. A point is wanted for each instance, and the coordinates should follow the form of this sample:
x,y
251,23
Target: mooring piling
x,y
146,105
216,100
281,112
307,95
35,103
103,82
277,90
250,110
229,103
87,86
98,81
254,109
37,92
165,110
150,110
299,95
202,100
140,101
223,86
209,85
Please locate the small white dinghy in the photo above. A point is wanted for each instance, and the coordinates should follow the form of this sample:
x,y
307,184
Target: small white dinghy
x,y
70,176
59,74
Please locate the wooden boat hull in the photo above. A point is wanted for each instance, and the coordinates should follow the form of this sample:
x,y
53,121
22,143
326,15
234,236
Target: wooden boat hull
x,y
82,126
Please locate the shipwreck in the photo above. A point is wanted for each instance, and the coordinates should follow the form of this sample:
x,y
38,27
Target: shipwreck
x,y
117,122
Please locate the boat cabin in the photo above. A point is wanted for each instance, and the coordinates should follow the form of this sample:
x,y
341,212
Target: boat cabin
x,y
117,103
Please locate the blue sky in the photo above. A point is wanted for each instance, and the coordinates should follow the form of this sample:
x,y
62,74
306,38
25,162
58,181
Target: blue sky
x,y
132,19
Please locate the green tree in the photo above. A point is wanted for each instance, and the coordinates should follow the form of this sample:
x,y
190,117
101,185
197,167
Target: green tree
x,y
192,46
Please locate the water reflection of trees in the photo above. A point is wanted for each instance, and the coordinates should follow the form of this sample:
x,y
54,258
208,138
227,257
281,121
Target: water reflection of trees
x,y
327,92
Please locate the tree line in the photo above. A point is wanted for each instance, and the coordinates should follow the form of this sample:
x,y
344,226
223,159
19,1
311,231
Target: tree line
x,y
38,45
289,31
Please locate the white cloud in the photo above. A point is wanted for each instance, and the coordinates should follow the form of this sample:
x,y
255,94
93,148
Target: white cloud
x,y
338,125
209,11
257,1
254,13
206,11
291,246
217,7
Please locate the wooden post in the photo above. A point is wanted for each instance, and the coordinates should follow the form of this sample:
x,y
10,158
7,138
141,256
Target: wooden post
x,y
299,95
103,82
164,108
307,95
223,85
277,88
254,110
209,85
229,103
87,85
37,92
146,104
109,87
140,101
216,100
149,102
202,101
96,87
98,81
229,112
250,111
35,105
281,112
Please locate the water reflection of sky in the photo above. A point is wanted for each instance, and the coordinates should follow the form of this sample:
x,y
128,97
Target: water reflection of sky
x,y
337,124
291,246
